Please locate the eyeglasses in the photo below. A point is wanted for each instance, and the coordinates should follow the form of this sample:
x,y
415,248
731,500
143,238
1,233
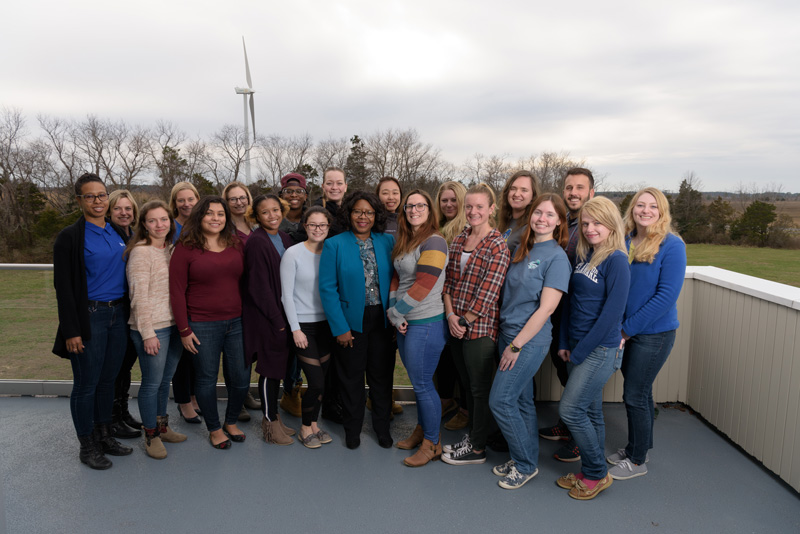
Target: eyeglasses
x,y
418,207
369,214
91,198
290,192
238,200
312,226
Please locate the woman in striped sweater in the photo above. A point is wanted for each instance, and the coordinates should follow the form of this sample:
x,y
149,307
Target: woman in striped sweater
x,y
417,311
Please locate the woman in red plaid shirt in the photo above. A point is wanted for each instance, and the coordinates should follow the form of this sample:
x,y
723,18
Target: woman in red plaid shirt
x,y
476,270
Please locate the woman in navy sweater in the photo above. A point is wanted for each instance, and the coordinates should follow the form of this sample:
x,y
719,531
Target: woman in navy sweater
x,y
658,265
590,340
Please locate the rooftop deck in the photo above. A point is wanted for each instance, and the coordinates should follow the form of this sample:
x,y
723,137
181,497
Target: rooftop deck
x,y
698,482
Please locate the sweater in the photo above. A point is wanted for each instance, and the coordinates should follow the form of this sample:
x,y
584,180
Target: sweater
x,y
415,295
299,283
148,286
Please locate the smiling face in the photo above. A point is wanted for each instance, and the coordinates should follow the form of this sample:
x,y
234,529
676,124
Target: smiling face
x,y
213,221
185,201
269,215
478,208
361,219
594,232
156,221
334,186
237,201
93,208
544,220
317,227
294,195
417,217
645,212
448,204
122,213
520,194
577,190
389,194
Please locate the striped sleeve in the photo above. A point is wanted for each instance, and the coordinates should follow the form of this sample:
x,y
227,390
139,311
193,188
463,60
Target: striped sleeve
x,y
431,263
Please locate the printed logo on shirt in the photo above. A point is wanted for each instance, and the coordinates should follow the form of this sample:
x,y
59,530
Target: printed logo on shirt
x,y
534,264
583,268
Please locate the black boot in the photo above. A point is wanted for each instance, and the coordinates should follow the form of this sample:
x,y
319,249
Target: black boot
x,y
126,416
107,444
91,455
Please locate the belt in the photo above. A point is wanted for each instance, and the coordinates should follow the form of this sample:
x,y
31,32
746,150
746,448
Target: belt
x,y
106,304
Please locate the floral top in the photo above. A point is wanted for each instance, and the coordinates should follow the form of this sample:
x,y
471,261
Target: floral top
x,y
372,296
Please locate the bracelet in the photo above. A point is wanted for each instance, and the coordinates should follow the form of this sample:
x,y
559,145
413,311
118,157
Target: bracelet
x,y
449,314
184,330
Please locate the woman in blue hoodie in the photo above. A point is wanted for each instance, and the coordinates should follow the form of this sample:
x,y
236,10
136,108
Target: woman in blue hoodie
x,y
658,265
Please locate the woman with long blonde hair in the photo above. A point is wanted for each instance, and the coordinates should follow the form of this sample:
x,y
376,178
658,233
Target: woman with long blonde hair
x,y
658,264
449,209
590,341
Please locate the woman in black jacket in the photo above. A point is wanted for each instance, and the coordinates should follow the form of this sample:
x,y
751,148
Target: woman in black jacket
x,y
89,279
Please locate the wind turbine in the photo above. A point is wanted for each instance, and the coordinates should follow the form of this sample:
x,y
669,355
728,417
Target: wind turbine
x,y
244,92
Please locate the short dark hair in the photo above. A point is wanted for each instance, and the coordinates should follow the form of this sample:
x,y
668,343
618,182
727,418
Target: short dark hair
x,y
85,179
343,215
580,170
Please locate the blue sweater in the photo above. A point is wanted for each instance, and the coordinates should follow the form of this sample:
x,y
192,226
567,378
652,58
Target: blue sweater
x,y
655,287
593,313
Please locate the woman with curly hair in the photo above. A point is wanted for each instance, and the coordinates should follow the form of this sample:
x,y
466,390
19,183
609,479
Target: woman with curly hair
x,y
354,287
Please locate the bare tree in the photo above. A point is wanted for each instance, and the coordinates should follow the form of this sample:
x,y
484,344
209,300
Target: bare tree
x,y
281,155
131,147
331,153
401,153
492,170
227,154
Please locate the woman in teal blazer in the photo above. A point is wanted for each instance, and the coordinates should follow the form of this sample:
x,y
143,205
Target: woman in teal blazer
x,y
355,272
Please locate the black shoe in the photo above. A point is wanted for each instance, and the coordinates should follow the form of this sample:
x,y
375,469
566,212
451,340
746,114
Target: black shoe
x,y
497,442
107,444
90,454
193,420
353,442
122,431
385,440
125,416
333,413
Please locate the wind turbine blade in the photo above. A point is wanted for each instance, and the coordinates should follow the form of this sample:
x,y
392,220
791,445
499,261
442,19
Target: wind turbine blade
x,y
253,114
247,66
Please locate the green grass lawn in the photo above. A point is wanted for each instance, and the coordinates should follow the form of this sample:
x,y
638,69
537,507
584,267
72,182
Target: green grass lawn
x,y
28,316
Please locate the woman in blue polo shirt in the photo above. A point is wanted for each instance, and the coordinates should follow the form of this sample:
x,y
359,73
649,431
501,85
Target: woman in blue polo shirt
x,y
89,278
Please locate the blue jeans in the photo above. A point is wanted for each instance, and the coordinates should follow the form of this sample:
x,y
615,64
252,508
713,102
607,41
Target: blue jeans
x,y
581,406
511,401
95,370
645,355
220,337
157,372
420,349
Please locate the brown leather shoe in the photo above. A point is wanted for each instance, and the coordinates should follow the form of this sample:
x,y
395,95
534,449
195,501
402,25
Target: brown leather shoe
x,y
427,452
413,440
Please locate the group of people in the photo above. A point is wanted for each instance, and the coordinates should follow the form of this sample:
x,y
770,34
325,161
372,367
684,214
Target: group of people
x,y
471,296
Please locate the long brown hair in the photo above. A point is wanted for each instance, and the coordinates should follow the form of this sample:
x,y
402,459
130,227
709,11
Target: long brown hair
x,y
560,233
192,232
142,236
506,211
407,240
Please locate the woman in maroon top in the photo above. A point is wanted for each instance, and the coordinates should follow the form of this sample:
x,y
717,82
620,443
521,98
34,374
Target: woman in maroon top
x,y
204,275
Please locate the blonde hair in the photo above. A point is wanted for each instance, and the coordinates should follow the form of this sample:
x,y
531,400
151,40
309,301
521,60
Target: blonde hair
x,y
607,214
655,233
505,212
114,197
177,188
240,186
450,229
484,189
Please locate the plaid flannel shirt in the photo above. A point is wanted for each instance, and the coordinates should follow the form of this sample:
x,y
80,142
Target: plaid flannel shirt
x,y
477,289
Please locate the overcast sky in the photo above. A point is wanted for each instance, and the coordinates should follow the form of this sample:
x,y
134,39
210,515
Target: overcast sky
x,y
644,91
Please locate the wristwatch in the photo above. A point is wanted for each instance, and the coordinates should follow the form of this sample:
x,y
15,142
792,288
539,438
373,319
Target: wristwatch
x,y
463,322
513,348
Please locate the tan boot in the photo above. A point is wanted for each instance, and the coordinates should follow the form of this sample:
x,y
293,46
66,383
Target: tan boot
x,y
273,432
251,403
428,452
167,434
413,440
153,445
396,408
292,403
289,431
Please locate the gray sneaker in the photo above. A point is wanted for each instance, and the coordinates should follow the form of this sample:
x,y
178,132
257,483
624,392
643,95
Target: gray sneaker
x,y
504,469
620,455
627,469
455,446
514,479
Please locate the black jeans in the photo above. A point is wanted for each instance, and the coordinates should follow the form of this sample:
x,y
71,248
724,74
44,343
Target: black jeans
x,y
369,354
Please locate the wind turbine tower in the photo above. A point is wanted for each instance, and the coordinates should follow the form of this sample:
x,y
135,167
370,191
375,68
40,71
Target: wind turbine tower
x,y
245,92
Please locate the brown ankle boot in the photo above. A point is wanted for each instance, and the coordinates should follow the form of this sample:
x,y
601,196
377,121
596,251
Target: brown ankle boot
x,y
289,431
153,445
167,434
292,403
428,452
413,440
273,432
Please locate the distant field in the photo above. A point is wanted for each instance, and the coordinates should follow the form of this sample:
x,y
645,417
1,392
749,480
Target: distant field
x,y
28,316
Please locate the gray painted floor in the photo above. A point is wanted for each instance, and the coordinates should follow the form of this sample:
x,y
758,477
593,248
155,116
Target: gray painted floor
x,y
697,482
